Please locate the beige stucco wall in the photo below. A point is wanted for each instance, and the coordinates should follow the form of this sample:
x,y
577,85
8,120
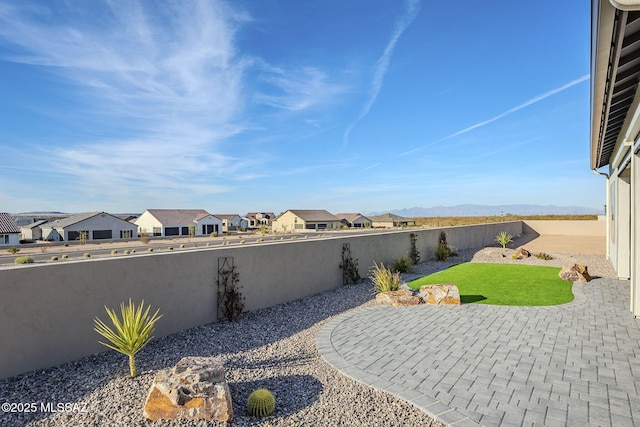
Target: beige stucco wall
x,y
47,311
566,228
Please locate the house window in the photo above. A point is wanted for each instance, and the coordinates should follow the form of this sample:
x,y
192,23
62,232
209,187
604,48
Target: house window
x,y
185,231
102,234
157,231
126,234
172,231
4,239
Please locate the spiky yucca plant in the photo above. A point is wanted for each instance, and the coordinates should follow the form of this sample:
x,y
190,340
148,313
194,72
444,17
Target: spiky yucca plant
x,y
503,238
131,333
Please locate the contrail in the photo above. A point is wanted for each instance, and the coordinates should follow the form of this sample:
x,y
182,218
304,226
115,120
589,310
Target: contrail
x,y
382,65
506,113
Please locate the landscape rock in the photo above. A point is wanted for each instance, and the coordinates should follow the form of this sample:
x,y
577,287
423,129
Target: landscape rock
x,y
399,298
523,253
440,294
575,273
194,389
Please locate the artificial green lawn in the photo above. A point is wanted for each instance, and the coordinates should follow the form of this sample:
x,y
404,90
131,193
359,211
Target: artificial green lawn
x,y
503,284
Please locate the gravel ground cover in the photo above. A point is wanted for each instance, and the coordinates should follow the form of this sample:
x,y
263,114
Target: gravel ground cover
x,y
272,348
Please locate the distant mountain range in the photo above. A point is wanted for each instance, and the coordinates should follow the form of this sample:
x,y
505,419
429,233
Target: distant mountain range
x,y
486,210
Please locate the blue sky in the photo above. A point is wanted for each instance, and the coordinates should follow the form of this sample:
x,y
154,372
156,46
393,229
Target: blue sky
x,y
349,106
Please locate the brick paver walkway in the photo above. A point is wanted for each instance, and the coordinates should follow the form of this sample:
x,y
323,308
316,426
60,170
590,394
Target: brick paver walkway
x,y
573,364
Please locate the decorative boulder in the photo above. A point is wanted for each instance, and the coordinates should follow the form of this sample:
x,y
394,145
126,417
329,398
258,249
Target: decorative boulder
x,y
575,273
523,253
440,294
194,389
399,298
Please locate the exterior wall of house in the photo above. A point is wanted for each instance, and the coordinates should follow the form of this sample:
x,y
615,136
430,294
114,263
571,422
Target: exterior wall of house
x,y
566,228
12,239
635,232
146,223
98,227
287,223
31,233
47,310
210,222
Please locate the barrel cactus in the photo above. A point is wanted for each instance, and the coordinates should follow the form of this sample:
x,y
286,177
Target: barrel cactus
x,y
261,403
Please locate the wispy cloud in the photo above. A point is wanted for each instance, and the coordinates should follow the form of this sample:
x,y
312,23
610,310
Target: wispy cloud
x,y
382,65
510,111
169,75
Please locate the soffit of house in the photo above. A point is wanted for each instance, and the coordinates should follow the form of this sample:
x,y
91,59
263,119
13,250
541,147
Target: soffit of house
x,y
615,72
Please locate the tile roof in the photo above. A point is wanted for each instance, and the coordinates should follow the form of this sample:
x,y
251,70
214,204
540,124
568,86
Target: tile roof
x,y
314,215
34,224
351,216
7,224
390,217
73,219
263,215
227,216
178,216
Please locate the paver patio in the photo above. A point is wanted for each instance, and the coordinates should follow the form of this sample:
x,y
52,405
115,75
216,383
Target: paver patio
x,y
573,364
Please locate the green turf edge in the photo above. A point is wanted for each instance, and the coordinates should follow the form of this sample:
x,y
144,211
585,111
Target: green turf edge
x,y
503,284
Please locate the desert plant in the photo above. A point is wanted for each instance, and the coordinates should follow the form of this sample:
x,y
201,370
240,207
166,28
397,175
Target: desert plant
x,y
384,280
443,250
13,250
230,299
401,264
414,254
150,249
87,255
127,251
182,246
114,252
261,403
54,258
24,260
515,256
543,255
65,256
504,238
349,266
131,333
170,248
144,236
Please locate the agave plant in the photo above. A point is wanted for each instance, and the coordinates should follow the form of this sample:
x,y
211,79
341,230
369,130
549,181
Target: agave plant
x,y
503,238
131,333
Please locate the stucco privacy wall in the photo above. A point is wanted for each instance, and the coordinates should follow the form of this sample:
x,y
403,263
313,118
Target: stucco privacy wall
x,y
565,228
47,311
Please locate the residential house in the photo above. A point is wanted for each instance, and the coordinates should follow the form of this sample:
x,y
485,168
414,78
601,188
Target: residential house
x,y
33,230
390,220
178,222
232,222
9,230
305,220
92,225
355,220
615,129
259,219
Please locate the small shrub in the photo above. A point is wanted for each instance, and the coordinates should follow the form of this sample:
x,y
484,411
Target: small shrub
x,y
384,280
515,256
444,251
214,234
544,256
504,238
66,245
242,241
114,252
208,244
127,251
401,265
261,403
13,251
170,248
87,255
131,333
182,246
54,258
65,256
24,260
133,251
